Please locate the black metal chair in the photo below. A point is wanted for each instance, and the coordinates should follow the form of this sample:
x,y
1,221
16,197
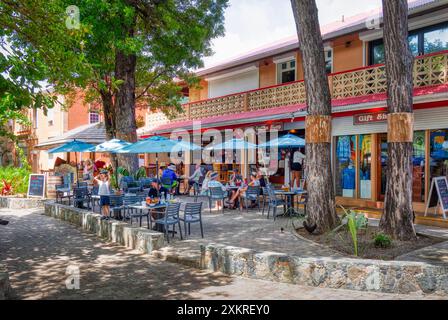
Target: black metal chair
x,y
216,194
274,202
171,218
303,200
192,214
252,194
93,197
80,196
132,213
124,181
116,205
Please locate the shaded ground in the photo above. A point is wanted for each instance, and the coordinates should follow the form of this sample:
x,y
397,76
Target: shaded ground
x,y
37,251
343,243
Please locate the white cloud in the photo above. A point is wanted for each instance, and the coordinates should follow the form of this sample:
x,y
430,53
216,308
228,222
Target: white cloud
x,y
254,23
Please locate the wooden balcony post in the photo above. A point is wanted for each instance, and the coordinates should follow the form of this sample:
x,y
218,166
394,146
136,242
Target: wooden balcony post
x,y
330,85
245,102
188,111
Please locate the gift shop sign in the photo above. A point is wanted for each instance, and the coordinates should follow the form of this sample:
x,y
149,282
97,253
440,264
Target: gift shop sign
x,y
366,118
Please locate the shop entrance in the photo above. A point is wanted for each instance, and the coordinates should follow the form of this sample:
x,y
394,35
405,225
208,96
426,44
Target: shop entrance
x,y
382,165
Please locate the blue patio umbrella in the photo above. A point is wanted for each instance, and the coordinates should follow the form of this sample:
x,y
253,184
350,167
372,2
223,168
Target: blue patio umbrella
x,y
285,142
233,144
158,144
111,146
73,146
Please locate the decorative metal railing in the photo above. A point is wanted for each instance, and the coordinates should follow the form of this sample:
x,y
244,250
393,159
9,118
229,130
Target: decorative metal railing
x,y
428,70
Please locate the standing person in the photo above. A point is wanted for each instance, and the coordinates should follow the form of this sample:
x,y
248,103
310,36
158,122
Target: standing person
x,y
297,168
194,178
88,170
104,193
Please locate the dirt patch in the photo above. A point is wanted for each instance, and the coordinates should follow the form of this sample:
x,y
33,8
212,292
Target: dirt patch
x,y
341,241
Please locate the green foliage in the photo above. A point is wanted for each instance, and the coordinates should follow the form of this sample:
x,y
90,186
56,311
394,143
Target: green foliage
x,y
382,240
17,177
123,172
352,222
140,173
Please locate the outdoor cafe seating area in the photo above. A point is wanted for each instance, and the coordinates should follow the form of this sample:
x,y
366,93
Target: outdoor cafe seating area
x,y
176,213
132,199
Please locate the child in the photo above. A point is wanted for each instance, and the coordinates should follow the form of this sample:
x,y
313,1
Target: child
x,y
104,192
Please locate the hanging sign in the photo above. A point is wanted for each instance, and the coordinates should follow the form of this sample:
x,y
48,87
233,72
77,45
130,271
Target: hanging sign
x,y
36,185
366,118
438,195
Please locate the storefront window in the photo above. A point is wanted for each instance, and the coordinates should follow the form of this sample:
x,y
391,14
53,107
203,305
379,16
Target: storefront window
x,y
418,167
439,153
345,173
365,165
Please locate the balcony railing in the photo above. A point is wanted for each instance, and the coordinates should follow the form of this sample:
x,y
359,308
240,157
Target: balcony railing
x,y
428,70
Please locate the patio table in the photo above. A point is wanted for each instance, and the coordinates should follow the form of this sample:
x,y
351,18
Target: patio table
x,y
289,195
149,208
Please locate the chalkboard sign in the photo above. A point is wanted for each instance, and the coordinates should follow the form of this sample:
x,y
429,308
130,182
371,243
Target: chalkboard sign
x,y
438,194
36,185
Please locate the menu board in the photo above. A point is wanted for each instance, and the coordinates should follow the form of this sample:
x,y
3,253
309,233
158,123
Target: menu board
x,y
36,185
438,194
442,187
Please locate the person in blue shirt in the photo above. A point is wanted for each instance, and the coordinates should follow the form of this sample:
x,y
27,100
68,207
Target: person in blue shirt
x,y
170,173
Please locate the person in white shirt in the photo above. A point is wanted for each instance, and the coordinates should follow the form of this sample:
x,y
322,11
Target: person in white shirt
x,y
104,193
297,168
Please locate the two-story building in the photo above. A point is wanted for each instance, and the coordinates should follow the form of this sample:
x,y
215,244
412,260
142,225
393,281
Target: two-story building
x,y
265,88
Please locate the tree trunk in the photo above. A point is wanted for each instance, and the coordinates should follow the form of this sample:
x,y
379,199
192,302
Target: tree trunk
x,y
398,213
109,114
321,203
125,122
109,121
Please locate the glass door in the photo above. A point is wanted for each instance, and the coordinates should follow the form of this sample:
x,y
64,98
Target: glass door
x,y
382,165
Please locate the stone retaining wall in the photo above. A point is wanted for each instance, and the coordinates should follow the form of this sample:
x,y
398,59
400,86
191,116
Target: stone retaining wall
x,y
344,273
21,203
141,239
5,288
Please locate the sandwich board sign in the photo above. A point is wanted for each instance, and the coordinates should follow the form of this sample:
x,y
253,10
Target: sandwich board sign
x,y
438,195
36,185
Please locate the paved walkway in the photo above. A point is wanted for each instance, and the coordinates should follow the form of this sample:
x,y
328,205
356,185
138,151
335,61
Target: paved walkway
x,y
37,250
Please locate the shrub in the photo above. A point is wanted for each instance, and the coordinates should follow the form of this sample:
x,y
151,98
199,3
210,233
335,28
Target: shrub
x,y
382,240
16,177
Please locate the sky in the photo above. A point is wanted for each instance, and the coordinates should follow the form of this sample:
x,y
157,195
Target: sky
x,y
253,23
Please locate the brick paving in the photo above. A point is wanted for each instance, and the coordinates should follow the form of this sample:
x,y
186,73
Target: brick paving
x,y
37,250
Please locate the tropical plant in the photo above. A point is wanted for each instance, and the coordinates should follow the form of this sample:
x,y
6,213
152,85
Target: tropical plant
x,y
353,222
6,188
382,240
140,173
14,180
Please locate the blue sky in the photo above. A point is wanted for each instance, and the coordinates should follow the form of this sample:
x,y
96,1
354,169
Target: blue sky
x,y
254,23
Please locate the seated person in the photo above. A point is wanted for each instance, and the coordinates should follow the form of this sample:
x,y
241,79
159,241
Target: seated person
x,y
233,177
204,189
238,193
156,189
170,174
214,183
194,178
